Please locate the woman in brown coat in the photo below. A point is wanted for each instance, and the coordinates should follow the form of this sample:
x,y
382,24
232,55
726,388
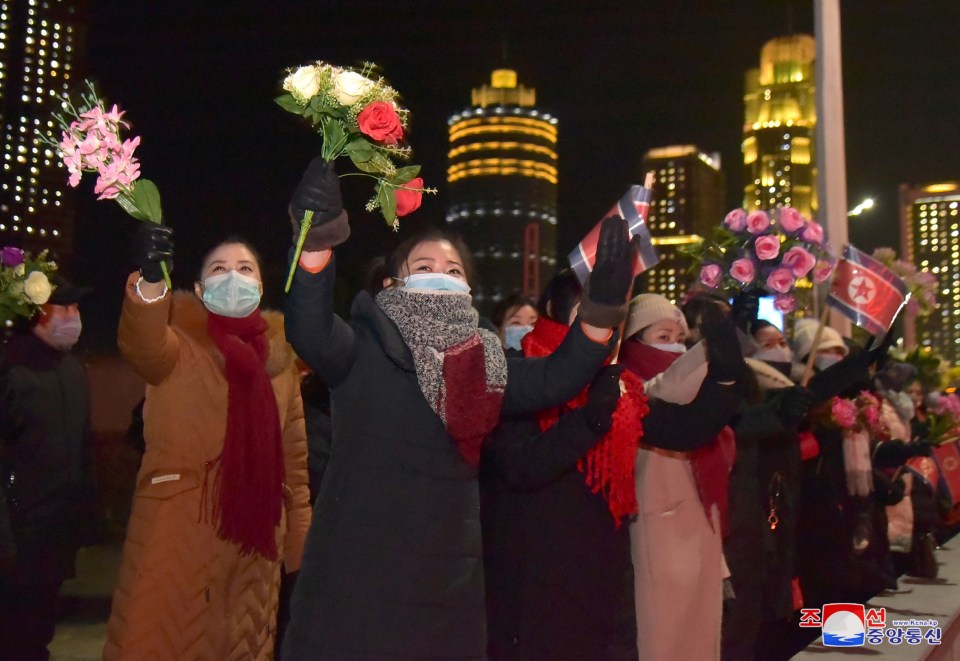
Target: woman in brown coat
x,y
221,498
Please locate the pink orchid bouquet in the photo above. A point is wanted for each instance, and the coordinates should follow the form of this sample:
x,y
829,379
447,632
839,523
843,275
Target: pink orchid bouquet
x,y
24,283
922,283
357,114
91,141
761,251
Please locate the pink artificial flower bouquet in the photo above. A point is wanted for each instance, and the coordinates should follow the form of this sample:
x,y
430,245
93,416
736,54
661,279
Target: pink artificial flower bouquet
x,y
761,251
91,141
859,414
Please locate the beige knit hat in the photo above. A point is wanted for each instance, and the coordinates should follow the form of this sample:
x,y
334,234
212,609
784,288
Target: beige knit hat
x,y
804,332
647,309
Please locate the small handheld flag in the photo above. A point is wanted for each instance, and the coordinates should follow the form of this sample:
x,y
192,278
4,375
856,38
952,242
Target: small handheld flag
x,y
866,291
634,207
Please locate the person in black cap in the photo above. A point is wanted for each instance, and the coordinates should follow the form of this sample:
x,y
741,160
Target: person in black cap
x,y
48,503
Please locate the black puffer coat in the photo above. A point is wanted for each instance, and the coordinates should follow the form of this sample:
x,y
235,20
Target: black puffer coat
x,y
393,565
48,502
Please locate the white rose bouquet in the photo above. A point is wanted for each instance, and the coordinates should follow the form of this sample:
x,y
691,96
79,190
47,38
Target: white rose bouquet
x,y
358,116
24,283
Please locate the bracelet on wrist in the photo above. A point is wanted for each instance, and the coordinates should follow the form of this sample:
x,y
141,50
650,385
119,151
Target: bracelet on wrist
x,y
143,298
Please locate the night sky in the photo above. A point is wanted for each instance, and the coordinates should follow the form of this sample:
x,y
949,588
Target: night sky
x,y
197,80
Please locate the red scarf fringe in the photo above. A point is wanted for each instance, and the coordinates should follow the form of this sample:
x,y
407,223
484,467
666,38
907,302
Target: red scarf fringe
x,y
609,466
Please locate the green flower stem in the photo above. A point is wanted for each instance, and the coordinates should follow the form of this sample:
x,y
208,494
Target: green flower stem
x,y
301,239
166,275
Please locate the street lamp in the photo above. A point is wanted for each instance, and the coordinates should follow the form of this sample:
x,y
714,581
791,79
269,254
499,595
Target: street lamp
x,y
860,208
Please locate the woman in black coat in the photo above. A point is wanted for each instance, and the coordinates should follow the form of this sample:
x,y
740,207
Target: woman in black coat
x,y
393,565
558,567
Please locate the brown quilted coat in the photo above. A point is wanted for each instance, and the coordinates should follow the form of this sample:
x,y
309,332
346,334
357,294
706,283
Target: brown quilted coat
x,y
182,592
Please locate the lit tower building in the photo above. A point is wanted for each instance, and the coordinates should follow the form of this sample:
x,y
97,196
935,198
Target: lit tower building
x,y
40,41
930,238
688,201
502,187
779,120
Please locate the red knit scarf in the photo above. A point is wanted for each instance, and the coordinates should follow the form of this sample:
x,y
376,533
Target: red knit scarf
x,y
471,402
711,464
248,488
609,465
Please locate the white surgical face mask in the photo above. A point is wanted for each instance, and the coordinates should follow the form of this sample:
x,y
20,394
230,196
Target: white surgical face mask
x,y
676,347
231,294
774,355
825,360
434,282
62,333
513,334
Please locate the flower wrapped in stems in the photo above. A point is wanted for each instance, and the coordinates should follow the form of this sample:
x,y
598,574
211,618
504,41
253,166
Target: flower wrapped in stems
x,y
91,141
763,252
24,283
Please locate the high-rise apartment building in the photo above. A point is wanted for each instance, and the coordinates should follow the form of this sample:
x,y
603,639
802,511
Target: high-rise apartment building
x,y
689,201
502,187
780,117
930,238
40,44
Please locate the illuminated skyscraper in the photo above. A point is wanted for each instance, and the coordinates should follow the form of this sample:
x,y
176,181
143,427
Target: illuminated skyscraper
x,y
40,41
688,202
502,186
930,238
779,120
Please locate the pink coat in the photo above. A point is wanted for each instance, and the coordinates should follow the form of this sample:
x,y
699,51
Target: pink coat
x,y
677,555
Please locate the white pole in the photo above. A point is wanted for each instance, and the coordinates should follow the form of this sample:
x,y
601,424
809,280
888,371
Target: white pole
x,y
831,152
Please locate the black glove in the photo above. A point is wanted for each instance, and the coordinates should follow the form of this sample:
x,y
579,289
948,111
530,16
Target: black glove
x,y
602,399
723,347
152,245
891,454
319,191
604,300
793,405
745,307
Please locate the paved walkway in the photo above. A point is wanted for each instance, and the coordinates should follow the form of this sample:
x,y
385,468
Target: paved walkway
x,y
82,630
918,599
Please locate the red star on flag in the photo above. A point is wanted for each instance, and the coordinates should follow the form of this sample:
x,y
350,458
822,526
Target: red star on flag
x,y
862,291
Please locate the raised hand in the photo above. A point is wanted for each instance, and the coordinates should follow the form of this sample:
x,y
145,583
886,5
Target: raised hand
x,y
153,245
319,192
604,301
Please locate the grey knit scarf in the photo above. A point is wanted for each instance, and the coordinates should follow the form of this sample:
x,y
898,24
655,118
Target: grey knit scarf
x,y
430,324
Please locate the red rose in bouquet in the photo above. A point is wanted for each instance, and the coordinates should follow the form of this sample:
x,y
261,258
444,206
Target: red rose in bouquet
x,y
380,121
409,196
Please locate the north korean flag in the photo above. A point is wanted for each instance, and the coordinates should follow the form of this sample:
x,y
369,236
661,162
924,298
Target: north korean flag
x,y
634,207
866,291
